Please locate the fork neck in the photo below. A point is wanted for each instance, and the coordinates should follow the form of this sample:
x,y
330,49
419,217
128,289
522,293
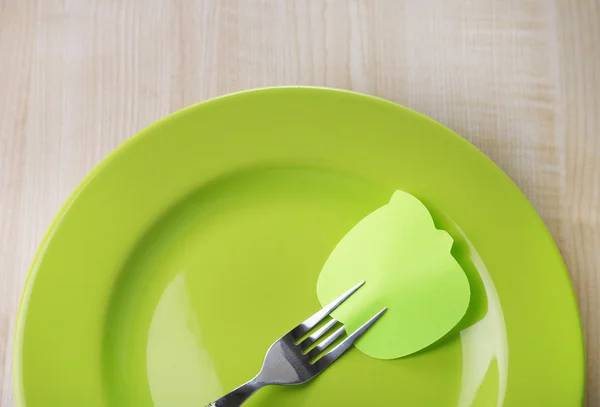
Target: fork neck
x,y
238,396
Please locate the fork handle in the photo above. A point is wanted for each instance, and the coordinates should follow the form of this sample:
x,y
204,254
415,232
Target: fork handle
x,y
237,397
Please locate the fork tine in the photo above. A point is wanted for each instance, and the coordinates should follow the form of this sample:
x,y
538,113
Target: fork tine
x,y
305,344
336,352
302,329
317,350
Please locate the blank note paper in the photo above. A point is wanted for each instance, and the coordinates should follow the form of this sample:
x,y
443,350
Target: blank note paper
x,y
407,266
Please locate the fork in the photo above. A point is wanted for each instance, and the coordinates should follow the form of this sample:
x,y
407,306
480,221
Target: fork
x,y
290,360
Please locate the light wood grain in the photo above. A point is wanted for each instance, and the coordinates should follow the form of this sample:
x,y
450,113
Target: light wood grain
x,y
519,78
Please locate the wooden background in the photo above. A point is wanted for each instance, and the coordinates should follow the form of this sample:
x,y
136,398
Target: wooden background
x,y
519,78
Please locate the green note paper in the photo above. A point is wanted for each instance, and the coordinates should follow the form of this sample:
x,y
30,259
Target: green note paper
x,y
407,266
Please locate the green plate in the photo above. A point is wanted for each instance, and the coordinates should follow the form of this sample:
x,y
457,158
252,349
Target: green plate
x,y
192,247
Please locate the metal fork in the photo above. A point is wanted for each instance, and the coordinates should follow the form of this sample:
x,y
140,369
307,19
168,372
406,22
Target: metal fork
x,y
287,361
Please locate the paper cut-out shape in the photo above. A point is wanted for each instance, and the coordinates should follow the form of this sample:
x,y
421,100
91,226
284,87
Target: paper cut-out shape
x,y
407,265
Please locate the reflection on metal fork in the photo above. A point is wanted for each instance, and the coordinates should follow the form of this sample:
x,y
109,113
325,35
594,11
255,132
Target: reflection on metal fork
x,y
287,361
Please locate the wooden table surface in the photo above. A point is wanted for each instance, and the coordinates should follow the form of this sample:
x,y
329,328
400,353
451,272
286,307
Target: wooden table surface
x,y
520,79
